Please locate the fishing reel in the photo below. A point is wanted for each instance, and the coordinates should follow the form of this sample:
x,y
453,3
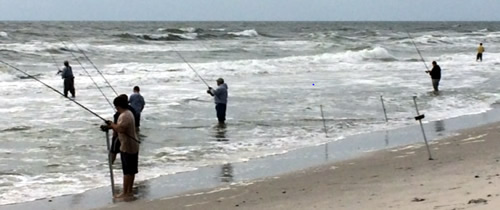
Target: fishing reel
x,y
104,128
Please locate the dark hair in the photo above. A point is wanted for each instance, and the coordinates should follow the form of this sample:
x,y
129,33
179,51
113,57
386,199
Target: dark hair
x,y
480,43
121,101
434,62
66,63
136,88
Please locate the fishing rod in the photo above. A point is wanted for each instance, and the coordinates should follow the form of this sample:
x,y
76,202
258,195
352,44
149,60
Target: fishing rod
x,y
59,92
100,90
418,51
55,62
81,51
55,90
185,61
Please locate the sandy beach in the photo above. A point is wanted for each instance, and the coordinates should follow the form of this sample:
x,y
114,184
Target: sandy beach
x,y
464,175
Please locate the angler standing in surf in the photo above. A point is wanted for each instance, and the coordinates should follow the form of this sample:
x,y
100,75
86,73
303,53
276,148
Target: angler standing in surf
x,y
137,103
129,148
480,51
220,99
435,75
69,79
115,142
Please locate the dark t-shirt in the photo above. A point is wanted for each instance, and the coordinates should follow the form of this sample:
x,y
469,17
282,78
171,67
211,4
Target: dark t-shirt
x,y
436,72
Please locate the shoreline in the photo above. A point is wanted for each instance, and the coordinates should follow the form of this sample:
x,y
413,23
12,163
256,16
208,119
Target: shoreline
x,y
224,176
465,174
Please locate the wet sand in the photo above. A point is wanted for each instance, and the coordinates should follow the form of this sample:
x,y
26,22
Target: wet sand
x,y
465,171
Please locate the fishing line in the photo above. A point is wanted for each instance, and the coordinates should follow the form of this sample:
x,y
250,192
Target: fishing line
x,y
55,62
81,51
59,92
100,90
418,51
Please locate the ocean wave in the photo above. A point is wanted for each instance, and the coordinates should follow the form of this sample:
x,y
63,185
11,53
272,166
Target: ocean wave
x,y
217,29
377,53
245,33
159,37
4,34
181,30
39,46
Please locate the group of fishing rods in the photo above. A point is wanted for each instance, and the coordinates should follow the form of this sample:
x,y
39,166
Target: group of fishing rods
x,y
90,76
107,82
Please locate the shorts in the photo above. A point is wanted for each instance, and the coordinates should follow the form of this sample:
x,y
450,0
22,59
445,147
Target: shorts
x,y
129,163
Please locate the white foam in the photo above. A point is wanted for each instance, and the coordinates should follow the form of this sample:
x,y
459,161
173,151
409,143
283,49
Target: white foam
x,y
245,33
4,34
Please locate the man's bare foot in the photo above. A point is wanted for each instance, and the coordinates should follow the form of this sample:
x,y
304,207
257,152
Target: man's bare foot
x,y
121,195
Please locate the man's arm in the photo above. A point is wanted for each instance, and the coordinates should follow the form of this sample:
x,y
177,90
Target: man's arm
x,y
143,103
118,126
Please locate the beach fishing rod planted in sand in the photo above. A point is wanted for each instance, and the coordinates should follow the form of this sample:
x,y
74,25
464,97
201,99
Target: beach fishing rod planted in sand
x,y
419,117
324,122
383,107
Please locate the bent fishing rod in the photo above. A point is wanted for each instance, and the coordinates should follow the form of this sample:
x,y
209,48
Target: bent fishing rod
x,y
90,76
418,51
59,92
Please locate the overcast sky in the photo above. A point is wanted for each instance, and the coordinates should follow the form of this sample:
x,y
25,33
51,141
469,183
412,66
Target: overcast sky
x,y
252,10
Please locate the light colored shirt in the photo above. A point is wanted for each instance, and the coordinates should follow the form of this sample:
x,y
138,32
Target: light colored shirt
x,y
220,94
126,130
480,49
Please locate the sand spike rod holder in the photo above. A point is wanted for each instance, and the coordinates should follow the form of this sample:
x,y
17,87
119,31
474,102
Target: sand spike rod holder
x,y
110,164
383,108
419,117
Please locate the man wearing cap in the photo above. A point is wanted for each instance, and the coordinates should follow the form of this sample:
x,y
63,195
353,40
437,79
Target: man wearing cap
x,y
69,79
220,99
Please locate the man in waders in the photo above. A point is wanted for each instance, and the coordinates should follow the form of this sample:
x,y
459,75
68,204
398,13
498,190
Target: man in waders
x,y
480,51
129,148
69,79
220,99
435,76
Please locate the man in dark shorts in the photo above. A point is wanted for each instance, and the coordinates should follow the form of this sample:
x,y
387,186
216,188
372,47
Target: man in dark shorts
x,y
480,51
129,147
115,143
